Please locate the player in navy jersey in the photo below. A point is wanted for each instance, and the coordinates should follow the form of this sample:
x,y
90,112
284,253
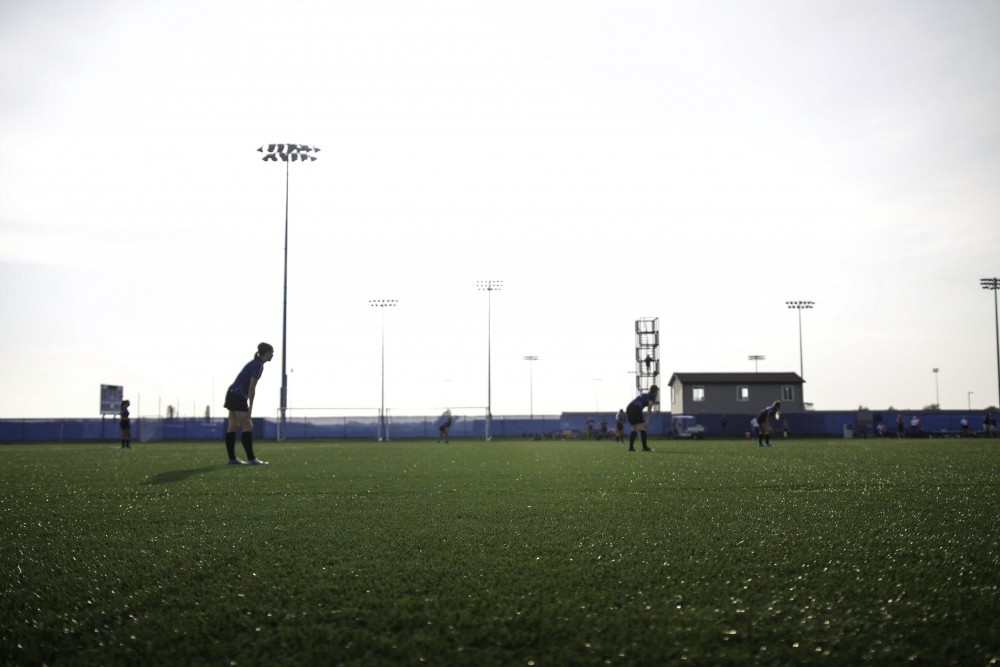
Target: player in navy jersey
x,y
636,419
764,417
239,402
125,425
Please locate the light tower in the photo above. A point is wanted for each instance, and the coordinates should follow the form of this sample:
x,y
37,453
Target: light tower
x,y
531,359
382,304
286,153
489,286
800,306
994,284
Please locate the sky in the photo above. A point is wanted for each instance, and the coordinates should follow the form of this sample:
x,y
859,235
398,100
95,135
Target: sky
x,y
700,162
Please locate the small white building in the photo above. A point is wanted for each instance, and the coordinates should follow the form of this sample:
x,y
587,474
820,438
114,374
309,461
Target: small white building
x,y
732,393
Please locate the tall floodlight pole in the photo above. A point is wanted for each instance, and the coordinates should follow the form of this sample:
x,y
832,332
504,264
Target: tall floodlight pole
x,y
937,393
286,153
970,399
800,306
755,358
382,304
994,284
531,359
489,286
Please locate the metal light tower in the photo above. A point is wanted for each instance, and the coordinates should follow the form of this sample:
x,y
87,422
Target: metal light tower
x,y
489,286
382,304
994,284
937,393
531,359
755,358
286,153
800,306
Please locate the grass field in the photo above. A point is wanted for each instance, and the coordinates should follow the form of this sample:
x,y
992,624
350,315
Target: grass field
x,y
507,553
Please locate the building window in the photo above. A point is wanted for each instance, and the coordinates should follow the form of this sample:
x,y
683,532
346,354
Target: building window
x,y
743,393
787,392
698,394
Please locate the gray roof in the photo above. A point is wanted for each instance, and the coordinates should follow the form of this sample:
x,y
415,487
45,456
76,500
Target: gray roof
x,y
737,378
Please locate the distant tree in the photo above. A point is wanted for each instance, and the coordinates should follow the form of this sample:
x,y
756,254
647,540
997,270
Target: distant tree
x,y
932,406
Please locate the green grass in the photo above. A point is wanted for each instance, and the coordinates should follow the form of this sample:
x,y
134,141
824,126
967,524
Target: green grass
x,y
507,553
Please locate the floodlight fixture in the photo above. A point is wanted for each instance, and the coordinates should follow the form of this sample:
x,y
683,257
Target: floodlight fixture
x,y
273,152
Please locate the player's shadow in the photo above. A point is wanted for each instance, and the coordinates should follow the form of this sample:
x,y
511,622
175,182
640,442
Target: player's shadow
x,y
172,476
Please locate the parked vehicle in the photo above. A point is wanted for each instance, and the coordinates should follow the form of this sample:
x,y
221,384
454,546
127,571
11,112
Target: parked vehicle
x,y
684,426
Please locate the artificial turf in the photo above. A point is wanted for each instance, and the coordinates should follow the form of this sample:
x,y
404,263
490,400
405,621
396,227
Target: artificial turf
x,y
509,553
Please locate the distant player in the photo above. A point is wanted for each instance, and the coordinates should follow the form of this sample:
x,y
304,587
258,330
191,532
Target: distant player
x,y
620,427
443,429
636,419
764,418
239,402
125,425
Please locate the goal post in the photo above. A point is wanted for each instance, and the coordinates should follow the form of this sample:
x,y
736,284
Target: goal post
x,y
372,424
347,423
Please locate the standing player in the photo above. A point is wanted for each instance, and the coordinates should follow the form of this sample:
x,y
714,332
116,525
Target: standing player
x,y
443,429
636,419
764,422
620,427
126,426
239,402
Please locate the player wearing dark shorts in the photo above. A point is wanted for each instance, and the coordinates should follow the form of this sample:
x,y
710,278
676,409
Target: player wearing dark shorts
x,y
763,420
239,402
125,424
633,412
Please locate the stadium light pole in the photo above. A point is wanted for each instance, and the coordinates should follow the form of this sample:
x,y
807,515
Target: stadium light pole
x,y
286,153
937,392
755,358
994,284
382,304
489,286
800,306
531,359
970,399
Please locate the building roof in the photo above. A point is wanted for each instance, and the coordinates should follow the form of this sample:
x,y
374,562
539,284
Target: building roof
x,y
737,378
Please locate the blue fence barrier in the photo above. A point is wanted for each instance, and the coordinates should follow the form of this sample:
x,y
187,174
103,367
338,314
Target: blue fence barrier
x,y
567,425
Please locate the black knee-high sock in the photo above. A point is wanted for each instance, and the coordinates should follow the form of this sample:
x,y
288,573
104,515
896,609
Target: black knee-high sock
x,y
248,445
231,444
631,440
642,434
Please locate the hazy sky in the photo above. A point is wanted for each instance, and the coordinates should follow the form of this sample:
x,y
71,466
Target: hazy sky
x,y
701,162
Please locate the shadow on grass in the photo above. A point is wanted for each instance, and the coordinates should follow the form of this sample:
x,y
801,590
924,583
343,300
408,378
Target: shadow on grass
x,y
172,476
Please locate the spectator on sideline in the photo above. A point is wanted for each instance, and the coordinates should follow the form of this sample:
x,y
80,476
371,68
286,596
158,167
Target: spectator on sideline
x,y
636,419
900,427
239,402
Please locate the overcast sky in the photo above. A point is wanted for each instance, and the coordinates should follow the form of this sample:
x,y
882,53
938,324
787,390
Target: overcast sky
x,y
700,162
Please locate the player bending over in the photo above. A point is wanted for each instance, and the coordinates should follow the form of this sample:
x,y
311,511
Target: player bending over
x,y
239,402
636,419
764,417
